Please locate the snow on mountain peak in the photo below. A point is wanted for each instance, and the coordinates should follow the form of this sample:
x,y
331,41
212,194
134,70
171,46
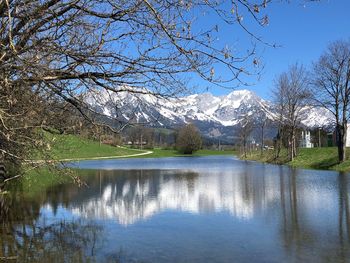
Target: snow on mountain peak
x,y
240,93
205,109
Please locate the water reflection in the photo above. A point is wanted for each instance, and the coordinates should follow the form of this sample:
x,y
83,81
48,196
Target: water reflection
x,y
344,213
309,211
237,210
129,196
28,237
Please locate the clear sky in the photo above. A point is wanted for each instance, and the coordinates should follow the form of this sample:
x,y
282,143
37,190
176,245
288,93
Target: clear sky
x,y
302,30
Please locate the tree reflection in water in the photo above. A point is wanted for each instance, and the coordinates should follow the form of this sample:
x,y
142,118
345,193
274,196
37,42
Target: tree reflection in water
x,y
344,213
27,238
299,231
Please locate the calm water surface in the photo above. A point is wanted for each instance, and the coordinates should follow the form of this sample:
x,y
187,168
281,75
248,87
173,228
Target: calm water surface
x,y
205,209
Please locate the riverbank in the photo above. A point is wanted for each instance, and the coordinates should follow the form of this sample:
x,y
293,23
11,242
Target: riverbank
x,y
68,148
73,148
45,177
324,158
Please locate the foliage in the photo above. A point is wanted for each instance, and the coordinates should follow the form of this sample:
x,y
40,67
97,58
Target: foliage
x,y
188,139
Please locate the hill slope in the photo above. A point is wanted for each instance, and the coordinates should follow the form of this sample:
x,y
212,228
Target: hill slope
x,y
74,147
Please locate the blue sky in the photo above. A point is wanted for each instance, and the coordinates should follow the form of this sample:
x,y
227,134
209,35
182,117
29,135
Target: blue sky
x,y
302,30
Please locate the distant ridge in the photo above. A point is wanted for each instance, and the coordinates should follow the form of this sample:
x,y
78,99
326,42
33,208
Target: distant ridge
x,y
214,115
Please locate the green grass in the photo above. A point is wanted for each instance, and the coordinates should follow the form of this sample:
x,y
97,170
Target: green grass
x,y
215,152
324,158
160,153
34,182
316,158
74,147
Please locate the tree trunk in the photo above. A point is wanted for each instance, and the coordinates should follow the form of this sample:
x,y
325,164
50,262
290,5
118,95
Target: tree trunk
x,y
290,146
245,147
345,131
279,142
294,146
2,171
262,140
341,142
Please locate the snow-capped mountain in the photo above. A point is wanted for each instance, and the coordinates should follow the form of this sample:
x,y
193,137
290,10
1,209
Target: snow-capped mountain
x,y
213,115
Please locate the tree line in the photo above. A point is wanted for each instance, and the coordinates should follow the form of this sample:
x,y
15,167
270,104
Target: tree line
x,y
186,139
326,85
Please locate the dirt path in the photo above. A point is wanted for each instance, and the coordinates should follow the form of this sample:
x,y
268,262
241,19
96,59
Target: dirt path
x,y
96,158
106,157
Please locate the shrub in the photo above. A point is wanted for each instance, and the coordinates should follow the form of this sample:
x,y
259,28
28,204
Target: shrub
x,y
188,140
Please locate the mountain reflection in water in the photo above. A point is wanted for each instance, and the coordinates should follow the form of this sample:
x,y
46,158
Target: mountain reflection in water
x,y
130,196
216,211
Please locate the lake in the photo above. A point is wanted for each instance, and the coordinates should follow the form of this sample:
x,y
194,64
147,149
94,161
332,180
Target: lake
x,y
194,209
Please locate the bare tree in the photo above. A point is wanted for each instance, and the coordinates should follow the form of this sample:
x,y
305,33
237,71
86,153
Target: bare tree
x,y
245,129
261,121
53,52
331,86
280,106
291,94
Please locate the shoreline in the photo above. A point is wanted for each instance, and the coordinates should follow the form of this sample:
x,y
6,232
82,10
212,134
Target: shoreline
x,y
324,158
91,158
154,153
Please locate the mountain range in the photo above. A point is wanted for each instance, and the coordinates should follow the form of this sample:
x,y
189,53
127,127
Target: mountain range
x,y
215,116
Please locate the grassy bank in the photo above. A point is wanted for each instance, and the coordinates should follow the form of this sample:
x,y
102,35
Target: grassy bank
x,y
65,147
36,182
74,147
324,158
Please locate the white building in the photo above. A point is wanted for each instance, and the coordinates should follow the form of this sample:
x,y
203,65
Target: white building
x,y
305,141
333,137
348,136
